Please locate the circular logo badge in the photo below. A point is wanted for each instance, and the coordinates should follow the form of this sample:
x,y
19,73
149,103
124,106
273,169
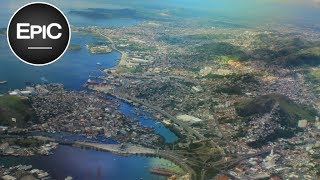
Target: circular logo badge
x,y
38,34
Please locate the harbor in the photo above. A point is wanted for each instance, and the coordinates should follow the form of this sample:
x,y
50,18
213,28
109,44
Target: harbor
x,y
65,162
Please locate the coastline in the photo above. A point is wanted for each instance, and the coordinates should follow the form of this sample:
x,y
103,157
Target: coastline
x,y
122,61
144,151
128,149
188,171
123,55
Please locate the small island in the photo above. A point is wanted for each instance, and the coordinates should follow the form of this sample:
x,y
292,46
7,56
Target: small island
x,y
74,47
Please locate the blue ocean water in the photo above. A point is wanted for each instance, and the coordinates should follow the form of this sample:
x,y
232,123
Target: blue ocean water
x,y
72,70
92,164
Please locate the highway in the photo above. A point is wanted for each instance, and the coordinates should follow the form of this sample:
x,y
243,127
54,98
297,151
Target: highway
x,y
185,126
237,160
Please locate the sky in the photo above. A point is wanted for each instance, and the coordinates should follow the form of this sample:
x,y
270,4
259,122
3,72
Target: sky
x,y
296,11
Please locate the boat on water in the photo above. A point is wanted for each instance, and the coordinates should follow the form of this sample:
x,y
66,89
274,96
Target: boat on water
x,y
161,172
3,82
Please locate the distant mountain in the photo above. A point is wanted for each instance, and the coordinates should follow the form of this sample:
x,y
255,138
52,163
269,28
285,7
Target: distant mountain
x,y
100,13
126,13
16,108
287,50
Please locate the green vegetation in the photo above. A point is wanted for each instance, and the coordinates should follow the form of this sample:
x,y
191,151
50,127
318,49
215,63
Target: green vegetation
x,y
136,69
284,45
74,47
99,48
287,50
314,51
27,142
290,112
239,79
193,69
241,133
231,90
216,50
215,158
16,107
226,58
317,168
287,115
197,145
314,75
310,57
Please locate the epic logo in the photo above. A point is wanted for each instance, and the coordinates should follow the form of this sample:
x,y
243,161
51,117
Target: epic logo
x,y
35,29
38,34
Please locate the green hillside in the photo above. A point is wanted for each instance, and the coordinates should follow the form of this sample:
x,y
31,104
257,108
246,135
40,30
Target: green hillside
x,y
217,49
290,112
287,50
287,115
309,56
16,107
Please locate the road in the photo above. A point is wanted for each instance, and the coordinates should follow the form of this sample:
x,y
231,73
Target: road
x,y
235,161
